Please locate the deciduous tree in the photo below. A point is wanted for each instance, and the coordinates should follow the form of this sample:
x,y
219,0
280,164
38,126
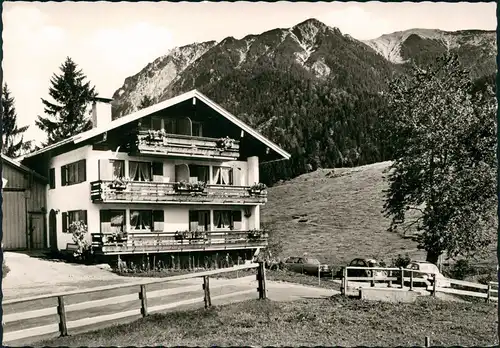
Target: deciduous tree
x,y
443,178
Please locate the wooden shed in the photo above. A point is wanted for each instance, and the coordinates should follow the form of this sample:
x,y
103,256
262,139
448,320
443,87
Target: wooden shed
x,y
23,207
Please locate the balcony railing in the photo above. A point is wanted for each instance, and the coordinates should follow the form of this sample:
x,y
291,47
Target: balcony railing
x,y
107,191
154,242
158,143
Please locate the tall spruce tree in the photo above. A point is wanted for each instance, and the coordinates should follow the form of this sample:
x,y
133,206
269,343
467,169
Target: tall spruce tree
x,y
443,178
13,143
69,115
145,102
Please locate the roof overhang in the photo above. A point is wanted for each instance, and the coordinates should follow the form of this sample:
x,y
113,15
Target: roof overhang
x,y
22,167
79,138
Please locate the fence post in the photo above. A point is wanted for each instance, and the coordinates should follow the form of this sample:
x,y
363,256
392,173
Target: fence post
x,y
206,288
434,285
144,301
344,283
63,329
427,341
411,280
390,281
402,277
319,276
372,283
261,277
488,294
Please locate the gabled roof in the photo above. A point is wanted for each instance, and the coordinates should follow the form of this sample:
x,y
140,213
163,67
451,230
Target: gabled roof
x,y
21,167
160,106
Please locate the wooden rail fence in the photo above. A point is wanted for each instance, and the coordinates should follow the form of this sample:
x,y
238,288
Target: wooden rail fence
x,y
445,285
54,314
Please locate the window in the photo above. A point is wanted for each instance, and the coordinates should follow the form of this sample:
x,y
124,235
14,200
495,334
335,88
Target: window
x,y
169,125
156,123
73,173
72,216
227,219
52,178
146,220
198,173
223,176
140,171
118,168
199,220
112,220
197,129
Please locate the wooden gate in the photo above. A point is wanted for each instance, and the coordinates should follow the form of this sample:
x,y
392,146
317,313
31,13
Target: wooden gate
x,y
14,220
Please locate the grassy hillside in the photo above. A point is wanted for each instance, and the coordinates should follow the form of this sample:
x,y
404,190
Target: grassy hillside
x,y
343,209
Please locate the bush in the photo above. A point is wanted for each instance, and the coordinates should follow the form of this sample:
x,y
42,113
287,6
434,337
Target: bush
x,y
462,269
5,269
401,261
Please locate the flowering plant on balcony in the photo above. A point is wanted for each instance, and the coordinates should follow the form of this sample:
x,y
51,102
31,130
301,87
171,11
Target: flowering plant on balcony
x,y
119,183
190,187
153,136
258,188
181,235
225,143
255,235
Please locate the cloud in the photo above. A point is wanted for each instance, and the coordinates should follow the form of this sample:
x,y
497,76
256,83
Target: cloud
x,y
357,22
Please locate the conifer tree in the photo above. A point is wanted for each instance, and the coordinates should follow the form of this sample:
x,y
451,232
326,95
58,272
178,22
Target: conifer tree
x,y
145,102
13,143
69,114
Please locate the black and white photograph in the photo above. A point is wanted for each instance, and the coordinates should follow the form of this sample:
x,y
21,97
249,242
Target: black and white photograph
x,y
241,173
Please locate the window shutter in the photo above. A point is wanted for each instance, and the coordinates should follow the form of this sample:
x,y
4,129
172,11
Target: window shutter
x,y
64,171
65,222
236,219
82,171
52,178
158,216
83,216
158,168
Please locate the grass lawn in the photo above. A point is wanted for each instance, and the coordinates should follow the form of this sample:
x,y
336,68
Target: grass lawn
x,y
327,322
343,209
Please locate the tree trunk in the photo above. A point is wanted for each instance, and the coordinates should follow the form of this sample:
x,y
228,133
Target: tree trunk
x,y
433,257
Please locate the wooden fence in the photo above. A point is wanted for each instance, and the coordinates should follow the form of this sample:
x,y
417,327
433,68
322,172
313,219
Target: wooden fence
x,y
411,277
34,318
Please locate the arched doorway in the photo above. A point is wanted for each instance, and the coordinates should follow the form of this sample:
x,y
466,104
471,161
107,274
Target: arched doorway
x,y
52,230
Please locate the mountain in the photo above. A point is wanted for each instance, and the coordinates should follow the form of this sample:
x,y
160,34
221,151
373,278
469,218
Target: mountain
x,y
313,90
477,49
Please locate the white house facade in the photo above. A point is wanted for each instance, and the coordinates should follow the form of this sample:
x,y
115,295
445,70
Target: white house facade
x,y
181,176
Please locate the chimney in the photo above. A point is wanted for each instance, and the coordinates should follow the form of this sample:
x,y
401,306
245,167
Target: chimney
x,y
101,112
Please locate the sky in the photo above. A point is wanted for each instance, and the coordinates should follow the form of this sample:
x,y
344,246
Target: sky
x,y
111,41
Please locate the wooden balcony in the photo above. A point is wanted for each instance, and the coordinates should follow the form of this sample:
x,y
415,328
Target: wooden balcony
x,y
105,191
169,242
150,143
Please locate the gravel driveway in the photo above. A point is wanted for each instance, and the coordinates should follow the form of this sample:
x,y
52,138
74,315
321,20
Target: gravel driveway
x,y
31,276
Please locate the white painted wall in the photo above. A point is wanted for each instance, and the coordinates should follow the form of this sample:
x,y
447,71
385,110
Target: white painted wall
x,y
67,198
77,197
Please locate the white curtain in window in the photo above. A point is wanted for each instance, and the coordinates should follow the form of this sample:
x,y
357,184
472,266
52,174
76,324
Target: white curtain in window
x,y
217,219
144,172
217,174
225,219
133,170
118,169
225,176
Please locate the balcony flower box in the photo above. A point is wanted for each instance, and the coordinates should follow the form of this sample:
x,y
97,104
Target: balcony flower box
x,y
198,187
224,144
255,235
118,184
258,189
118,237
